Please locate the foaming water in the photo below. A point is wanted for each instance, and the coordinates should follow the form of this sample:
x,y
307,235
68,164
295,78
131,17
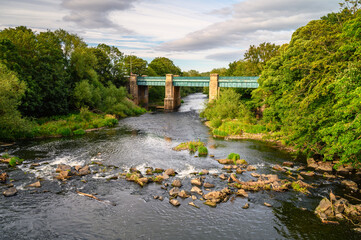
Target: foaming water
x,y
56,211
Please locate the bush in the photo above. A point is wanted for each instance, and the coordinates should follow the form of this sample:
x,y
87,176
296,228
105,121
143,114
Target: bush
x,y
227,106
202,151
216,123
233,156
15,161
79,132
65,131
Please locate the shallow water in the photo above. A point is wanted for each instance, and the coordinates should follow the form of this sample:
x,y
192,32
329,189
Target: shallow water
x,y
56,211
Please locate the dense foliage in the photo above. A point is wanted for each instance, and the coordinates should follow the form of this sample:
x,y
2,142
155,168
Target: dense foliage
x,y
312,89
56,73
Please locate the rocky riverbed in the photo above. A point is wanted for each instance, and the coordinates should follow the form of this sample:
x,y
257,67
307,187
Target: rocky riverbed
x,y
78,188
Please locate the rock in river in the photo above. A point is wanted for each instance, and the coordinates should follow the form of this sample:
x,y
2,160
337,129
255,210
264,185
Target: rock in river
x,y
242,193
177,183
350,184
3,177
170,172
35,184
183,194
278,168
63,167
197,182
174,202
10,192
197,190
210,203
208,185
174,192
288,164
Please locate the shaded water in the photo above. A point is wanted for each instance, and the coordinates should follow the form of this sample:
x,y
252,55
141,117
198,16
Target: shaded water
x,y
56,211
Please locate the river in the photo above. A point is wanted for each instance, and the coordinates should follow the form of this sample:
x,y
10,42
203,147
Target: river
x,y
56,211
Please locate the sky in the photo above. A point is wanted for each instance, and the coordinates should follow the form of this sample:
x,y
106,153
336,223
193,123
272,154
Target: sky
x,y
194,34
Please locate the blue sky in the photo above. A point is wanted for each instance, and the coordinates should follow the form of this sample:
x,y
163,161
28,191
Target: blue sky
x,y
195,34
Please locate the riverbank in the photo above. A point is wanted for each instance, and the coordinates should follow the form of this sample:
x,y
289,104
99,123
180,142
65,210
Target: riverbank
x,y
64,126
253,134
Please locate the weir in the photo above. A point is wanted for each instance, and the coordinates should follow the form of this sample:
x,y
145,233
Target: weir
x,y
172,100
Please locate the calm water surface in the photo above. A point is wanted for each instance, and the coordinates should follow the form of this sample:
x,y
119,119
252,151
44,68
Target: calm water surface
x,y
56,211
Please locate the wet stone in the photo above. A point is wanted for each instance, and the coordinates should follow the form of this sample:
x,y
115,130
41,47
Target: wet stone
x,y
223,177
10,192
197,182
170,172
174,202
245,206
176,183
208,185
350,184
288,164
36,184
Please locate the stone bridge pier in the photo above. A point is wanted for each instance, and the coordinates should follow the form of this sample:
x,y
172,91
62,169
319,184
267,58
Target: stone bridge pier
x,y
140,93
172,98
213,87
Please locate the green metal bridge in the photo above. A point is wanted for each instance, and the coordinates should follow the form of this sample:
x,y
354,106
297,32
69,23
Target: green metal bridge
x,y
230,82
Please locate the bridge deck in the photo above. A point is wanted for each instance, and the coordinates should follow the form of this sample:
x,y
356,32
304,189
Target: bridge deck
x,y
232,82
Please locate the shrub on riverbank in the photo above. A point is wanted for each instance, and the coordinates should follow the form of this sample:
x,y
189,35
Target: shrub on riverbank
x,y
74,124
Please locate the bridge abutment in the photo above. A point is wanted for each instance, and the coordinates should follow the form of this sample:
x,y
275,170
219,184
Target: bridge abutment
x,y
213,87
140,93
172,98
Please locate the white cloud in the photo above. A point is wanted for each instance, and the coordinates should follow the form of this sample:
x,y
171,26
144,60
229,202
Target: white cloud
x,y
252,16
93,14
195,34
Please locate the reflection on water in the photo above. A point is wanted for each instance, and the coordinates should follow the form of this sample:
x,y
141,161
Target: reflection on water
x,y
55,211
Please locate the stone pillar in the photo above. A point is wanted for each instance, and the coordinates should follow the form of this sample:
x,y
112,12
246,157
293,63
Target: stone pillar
x,y
213,87
172,94
139,93
143,94
133,87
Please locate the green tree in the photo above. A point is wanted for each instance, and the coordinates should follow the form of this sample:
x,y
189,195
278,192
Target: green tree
x,y
11,91
162,66
135,65
39,61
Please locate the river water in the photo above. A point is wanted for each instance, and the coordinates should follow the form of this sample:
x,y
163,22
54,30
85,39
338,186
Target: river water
x,y
56,211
